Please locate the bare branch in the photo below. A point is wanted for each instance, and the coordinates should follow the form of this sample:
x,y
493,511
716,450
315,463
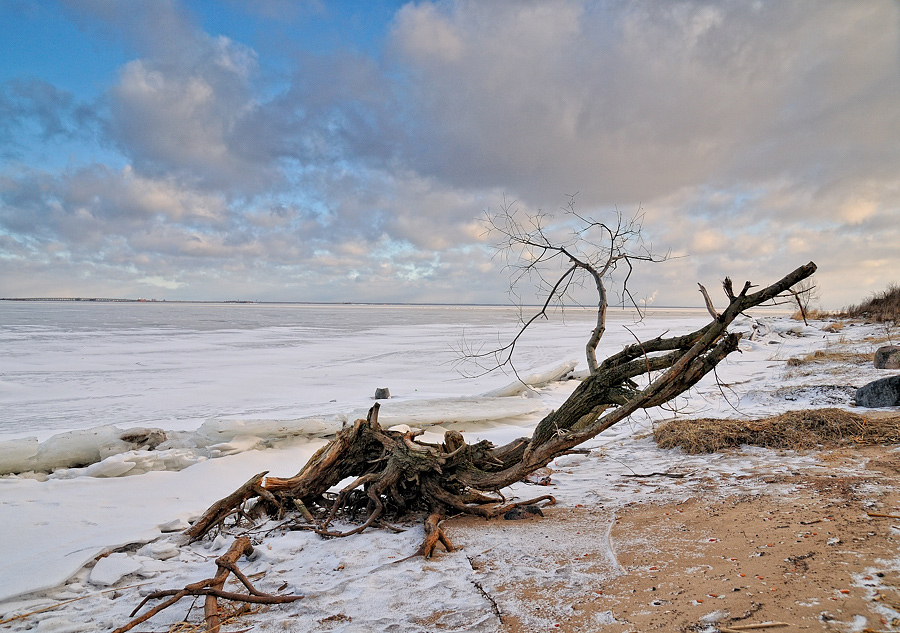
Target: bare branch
x,y
535,251
709,304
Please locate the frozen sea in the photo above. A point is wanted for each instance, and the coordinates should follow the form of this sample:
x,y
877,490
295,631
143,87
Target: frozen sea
x,y
74,365
243,388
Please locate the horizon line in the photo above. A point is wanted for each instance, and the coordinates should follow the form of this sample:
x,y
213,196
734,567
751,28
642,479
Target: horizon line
x,y
326,303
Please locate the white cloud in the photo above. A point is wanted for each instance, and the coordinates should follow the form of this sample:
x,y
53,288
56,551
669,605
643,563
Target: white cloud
x,y
755,136
425,33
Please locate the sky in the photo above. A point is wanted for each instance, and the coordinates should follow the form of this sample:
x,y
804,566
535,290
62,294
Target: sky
x,y
279,150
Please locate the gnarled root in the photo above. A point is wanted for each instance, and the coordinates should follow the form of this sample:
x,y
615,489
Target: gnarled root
x,y
393,473
433,535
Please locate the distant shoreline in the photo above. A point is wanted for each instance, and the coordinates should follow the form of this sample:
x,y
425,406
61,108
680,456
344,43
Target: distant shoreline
x,y
319,303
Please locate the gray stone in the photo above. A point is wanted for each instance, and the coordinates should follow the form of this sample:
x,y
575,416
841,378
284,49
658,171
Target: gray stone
x,y
382,393
522,512
880,393
887,357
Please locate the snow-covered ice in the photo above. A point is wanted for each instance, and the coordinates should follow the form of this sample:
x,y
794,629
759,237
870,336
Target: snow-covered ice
x,y
208,395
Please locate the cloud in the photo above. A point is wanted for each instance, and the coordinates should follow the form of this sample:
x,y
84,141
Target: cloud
x,y
752,136
425,34
181,122
36,111
628,101
159,29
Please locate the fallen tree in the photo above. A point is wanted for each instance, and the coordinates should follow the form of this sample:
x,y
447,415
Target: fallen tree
x,y
394,474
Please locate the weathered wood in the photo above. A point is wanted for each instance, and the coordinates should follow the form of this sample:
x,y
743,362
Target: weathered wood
x,y
223,508
211,588
395,469
709,304
434,535
225,563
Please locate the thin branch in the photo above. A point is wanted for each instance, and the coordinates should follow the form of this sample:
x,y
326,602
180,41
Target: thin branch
x,y
531,253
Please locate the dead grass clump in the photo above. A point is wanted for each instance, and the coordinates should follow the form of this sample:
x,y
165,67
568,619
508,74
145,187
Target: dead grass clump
x,y
834,326
831,355
880,307
810,314
797,430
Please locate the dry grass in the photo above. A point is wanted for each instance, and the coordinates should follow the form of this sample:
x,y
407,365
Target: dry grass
x,y
880,339
810,315
881,307
832,355
804,429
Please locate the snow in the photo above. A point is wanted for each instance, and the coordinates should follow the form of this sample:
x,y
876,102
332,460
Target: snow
x,y
254,388
112,568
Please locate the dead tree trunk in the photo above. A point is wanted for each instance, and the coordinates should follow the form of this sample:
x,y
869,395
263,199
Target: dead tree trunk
x,y
394,474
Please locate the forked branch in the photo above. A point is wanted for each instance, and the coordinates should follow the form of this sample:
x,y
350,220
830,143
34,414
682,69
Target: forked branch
x,y
558,261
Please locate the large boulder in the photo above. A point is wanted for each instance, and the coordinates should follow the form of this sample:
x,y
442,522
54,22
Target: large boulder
x,y
880,393
887,357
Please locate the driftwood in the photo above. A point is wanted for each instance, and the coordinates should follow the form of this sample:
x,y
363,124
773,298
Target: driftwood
x,y
224,508
739,628
211,588
395,474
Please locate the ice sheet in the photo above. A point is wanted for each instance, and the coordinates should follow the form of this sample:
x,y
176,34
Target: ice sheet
x,y
61,525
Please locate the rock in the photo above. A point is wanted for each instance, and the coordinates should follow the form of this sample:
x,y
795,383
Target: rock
x,y
880,393
887,357
141,437
522,512
382,393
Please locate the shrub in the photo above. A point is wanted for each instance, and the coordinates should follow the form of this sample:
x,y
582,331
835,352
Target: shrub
x,y
880,307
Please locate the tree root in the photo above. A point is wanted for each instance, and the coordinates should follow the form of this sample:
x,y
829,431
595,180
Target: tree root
x,y
223,508
211,588
433,535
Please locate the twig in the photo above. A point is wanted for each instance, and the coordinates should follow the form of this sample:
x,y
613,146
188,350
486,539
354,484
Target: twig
x,y
752,627
484,593
872,514
490,599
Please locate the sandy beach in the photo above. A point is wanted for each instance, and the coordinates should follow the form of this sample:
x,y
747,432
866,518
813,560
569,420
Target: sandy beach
x,y
810,551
